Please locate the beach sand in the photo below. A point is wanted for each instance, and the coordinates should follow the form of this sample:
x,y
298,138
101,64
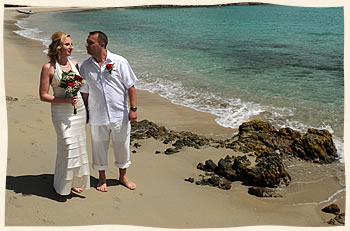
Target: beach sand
x,y
162,198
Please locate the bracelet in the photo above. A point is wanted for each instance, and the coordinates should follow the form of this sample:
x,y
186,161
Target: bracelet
x,y
133,108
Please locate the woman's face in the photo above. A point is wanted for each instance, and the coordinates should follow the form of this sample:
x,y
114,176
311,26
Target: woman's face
x,y
67,47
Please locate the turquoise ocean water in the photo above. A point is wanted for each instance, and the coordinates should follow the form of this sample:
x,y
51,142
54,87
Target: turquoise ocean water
x,y
282,64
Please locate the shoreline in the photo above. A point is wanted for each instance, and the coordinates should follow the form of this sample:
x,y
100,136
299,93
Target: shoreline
x,y
33,162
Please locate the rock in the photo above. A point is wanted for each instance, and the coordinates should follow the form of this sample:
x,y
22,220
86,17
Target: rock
x,y
10,98
214,181
200,166
145,129
316,145
337,220
263,192
210,165
157,152
190,179
225,169
133,151
256,136
269,170
260,136
170,151
137,145
332,208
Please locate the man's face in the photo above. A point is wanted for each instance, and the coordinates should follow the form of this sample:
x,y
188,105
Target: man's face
x,y
92,45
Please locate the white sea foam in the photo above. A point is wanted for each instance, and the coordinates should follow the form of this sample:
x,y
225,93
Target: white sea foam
x,y
339,144
28,32
229,112
330,198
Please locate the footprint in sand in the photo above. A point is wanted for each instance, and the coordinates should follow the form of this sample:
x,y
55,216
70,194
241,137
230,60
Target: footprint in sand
x,y
47,221
117,202
14,201
10,98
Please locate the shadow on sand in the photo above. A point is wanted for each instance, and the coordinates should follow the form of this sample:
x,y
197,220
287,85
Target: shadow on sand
x,y
41,185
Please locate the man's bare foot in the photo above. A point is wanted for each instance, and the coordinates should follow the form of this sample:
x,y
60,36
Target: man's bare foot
x,y
127,183
102,183
78,190
102,186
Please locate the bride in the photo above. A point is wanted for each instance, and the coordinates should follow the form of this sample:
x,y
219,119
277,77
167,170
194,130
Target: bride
x,y
72,166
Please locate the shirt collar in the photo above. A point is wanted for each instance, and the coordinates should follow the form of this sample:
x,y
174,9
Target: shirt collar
x,y
109,56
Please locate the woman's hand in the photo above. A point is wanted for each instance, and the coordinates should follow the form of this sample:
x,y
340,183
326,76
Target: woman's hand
x,y
73,100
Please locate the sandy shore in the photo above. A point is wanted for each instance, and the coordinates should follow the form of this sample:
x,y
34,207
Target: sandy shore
x,y
162,198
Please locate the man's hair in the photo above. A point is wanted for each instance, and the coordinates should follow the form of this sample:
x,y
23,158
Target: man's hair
x,y
102,37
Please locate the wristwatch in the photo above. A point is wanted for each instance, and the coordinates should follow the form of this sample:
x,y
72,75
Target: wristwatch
x,y
133,108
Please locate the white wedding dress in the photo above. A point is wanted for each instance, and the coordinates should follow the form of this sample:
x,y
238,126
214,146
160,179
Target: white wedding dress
x,y
72,164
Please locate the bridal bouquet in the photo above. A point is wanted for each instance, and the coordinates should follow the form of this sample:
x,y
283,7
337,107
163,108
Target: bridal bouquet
x,y
71,82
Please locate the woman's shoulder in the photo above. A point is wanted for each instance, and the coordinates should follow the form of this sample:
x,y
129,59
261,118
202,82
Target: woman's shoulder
x,y
49,66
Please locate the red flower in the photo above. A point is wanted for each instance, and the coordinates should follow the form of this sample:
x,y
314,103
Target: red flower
x,y
109,66
77,77
71,84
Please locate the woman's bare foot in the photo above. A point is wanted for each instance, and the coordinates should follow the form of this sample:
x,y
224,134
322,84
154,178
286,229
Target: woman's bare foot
x,y
127,183
78,190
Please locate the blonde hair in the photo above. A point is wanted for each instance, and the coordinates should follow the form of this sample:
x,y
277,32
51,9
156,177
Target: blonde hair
x,y
57,40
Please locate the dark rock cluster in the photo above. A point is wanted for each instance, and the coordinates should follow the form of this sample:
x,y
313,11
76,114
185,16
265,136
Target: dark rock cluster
x,y
260,136
255,137
262,142
268,170
339,219
214,180
146,129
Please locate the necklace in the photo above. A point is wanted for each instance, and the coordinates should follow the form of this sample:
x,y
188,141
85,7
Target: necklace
x,y
67,64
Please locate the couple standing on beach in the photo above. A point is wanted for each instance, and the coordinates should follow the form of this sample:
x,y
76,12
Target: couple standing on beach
x,y
103,103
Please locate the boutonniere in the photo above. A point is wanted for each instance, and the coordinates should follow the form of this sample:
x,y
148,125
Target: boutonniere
x,y
109,68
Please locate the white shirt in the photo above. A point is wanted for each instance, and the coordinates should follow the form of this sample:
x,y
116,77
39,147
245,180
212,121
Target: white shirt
x,y
108,93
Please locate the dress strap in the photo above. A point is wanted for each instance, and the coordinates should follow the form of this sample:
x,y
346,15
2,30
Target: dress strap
x,y
58,70
74,68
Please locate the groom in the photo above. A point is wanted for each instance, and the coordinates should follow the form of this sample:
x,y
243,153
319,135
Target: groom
x,y
110,82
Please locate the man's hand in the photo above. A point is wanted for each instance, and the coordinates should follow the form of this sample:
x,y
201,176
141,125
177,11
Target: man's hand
x,y
132,116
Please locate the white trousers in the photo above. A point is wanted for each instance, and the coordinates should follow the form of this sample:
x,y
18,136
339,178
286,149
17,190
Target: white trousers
x,y
100,137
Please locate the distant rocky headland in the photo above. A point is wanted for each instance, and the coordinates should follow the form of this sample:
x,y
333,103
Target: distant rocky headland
x,y
172,6
178,6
